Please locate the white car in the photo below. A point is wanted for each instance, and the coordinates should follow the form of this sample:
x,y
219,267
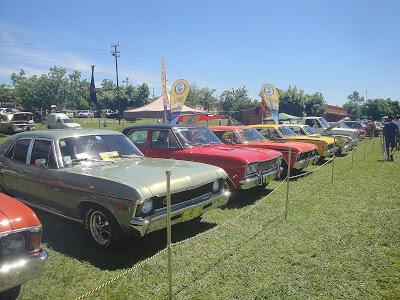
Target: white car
x,y
84,114
60,121
321,125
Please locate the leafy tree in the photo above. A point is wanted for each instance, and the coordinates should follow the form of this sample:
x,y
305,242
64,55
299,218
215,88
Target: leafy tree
x,y
377,108
234,100
202,96
292,101
7,93
354,103
315,104
142,95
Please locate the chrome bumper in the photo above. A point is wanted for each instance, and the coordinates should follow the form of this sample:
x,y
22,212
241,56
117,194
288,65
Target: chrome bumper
x,y
158,220
301,164
348,147
17,271
264,178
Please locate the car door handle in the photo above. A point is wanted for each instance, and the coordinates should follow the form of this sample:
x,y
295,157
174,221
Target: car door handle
x,y
27,171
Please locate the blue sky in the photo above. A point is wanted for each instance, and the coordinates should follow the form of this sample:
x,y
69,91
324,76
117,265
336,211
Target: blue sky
x,y
333,47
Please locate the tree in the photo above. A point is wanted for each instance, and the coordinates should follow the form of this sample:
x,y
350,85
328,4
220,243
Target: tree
x,y
234,100
292,101
7,93
202,96
378,108
354,103
315,105
142,95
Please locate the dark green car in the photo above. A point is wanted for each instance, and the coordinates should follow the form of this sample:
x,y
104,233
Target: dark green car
x,y
100,178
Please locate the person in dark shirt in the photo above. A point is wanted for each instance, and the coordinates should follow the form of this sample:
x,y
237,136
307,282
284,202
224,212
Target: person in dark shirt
x,y
390,133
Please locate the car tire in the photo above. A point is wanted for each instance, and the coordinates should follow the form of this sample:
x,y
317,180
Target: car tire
x,y
231,188
10,294
102,228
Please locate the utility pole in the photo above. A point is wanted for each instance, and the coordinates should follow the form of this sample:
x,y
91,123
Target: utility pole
x,y
116,54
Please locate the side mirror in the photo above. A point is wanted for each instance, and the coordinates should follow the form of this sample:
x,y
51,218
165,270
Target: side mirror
x,y
40,162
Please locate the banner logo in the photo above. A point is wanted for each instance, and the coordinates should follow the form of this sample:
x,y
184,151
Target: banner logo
x,y
179,92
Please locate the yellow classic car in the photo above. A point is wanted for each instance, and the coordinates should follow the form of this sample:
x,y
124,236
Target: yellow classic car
x,y
344,143
326,146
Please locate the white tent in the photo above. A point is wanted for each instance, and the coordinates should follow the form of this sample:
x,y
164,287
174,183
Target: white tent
x,y
155,109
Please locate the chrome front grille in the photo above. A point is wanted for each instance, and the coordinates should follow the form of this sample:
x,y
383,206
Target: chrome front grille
x,y
268,164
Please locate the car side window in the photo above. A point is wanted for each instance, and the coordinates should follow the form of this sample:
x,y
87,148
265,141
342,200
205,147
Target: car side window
x,y
42,149
162,139
138,137
20,150
268,133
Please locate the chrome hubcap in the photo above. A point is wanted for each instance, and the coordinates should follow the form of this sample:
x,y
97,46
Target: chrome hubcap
x,y
100,228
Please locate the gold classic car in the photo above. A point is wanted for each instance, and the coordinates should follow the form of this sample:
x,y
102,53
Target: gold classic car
x,y
343,142
100,179
326,146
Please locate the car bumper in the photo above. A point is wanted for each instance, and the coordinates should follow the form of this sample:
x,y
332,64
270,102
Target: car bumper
x,y
23,128
18,271
180,212
301,164
256,180
348,147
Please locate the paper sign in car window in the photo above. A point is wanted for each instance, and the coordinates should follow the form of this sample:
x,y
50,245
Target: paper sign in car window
x,y
109,155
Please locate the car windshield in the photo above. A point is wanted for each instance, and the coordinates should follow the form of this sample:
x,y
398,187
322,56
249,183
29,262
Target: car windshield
x,y
22,117
194,136
309,129
286,131
251,135
94,148
324,123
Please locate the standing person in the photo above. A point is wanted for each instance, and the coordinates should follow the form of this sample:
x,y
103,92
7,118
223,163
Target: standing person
x,y
390,134
397,122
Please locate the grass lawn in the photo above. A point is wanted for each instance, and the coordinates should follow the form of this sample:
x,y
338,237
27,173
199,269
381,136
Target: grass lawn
x,y
341,240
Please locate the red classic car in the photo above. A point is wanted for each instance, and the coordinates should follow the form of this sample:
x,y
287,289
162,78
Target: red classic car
x,y
21,257
303,154
246,168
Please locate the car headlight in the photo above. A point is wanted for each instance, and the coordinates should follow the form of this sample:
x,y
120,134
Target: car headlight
x,y
215,187
251,168
147,206
12,244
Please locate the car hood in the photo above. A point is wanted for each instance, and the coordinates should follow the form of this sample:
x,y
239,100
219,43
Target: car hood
x,y
147,175
306,138
246,155
282,146
15,215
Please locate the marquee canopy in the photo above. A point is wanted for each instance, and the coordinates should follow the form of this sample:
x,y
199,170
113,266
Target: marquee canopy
x,y
155,109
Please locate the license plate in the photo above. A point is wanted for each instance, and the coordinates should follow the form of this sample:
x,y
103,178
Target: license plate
x,y
191,213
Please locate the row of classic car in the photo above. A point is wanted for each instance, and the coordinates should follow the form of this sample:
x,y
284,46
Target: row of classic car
x,y
114,183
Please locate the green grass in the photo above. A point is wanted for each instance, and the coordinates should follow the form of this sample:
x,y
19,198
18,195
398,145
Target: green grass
x,y
341,240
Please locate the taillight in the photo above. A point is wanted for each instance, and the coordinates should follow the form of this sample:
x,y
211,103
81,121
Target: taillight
x,y
34,241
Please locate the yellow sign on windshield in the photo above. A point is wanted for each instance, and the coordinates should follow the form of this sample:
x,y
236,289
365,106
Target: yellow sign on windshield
x,y
109,155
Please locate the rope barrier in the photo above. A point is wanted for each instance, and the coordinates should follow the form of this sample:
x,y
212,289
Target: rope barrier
x,y
214,229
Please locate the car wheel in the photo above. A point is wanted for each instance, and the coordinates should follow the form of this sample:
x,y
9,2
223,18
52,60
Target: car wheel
x,y
10,294
102,228
231,188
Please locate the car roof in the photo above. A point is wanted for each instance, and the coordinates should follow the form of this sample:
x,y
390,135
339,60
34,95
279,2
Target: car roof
x,y
63,133
236,127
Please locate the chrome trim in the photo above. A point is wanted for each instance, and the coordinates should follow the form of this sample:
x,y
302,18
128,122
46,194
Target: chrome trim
x,y
331,151
157,220
14,273
301,164
30,229
261,179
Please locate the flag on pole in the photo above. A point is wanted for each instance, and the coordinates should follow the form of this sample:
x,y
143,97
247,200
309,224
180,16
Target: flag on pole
x,y
270,98
179,92
93,98
164,90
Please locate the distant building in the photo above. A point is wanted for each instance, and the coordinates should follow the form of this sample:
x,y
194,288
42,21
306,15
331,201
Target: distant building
x,y
334,113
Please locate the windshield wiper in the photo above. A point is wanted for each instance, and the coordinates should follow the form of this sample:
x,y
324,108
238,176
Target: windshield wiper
x,y
74,160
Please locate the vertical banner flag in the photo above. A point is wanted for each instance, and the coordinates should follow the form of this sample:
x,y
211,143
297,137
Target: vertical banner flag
x,y
270,98
93,98
179,92
164,89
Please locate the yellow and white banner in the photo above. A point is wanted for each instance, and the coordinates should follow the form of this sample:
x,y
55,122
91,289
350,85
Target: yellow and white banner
x,y
270,98
179,92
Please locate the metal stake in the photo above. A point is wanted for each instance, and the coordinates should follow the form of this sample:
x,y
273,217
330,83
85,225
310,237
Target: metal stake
x,y
168,174
352,157
365,147
287,182
333,157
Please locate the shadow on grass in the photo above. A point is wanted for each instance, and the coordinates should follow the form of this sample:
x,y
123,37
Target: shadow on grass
x,y
69,238
247,197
